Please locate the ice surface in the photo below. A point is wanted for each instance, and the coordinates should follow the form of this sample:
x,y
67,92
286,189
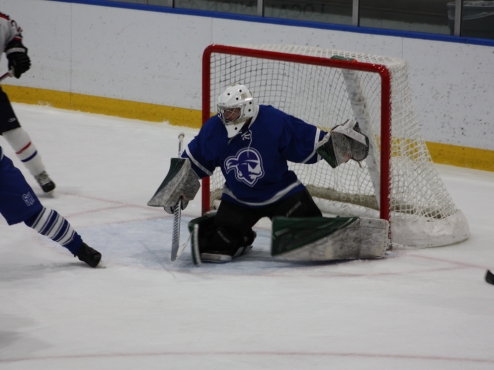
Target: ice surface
x,y
415,309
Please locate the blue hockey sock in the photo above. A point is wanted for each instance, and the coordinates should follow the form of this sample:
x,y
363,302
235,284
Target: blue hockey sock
x,y
53,225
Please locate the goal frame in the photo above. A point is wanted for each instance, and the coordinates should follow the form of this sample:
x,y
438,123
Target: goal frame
x,y
381,70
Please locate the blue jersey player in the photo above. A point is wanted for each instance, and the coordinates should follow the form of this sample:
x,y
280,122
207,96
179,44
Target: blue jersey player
x,y
251,144
18,203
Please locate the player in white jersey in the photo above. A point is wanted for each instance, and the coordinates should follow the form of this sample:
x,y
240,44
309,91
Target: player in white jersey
x,y
10,128
251,144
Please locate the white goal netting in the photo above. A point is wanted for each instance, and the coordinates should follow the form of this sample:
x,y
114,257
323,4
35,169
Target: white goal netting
x,y
421,211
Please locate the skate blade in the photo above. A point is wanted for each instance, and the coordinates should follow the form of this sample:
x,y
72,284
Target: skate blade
x,y
101,265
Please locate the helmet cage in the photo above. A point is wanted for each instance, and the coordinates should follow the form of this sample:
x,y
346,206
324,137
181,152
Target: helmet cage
x,y
236,97
226,111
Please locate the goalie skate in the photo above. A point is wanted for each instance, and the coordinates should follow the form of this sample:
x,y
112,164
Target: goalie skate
x,y
203,250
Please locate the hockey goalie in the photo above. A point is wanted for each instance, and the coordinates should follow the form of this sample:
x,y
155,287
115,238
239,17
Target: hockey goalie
x,y
252,144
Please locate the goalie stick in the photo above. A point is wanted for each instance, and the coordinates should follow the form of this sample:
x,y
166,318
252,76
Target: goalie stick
x,y
177,212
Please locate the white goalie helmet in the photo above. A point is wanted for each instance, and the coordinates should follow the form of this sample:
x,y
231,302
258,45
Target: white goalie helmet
x,y
235,106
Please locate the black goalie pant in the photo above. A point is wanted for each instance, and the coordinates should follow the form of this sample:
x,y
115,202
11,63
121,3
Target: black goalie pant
x,y
8,120
233,223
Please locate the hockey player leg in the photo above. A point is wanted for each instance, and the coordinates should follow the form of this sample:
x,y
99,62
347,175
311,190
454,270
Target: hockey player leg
x,y
200,229
27,152
20,141
51,224
327,239
18,203
226,244
218,244
299,204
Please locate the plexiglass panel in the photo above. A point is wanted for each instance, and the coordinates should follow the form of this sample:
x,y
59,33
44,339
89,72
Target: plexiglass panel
x,y
133,1
327,11
429,16
159,2
246,7
477,19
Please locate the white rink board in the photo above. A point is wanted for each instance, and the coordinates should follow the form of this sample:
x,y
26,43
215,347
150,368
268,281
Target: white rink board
x,y
156,58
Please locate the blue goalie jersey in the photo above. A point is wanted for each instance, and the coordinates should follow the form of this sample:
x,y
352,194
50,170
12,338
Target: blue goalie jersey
x,y
254,162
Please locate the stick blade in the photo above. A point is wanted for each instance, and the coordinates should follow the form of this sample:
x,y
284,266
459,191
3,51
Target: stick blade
x,y
489,277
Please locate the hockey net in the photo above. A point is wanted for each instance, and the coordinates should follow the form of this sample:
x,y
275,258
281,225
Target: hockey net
x,y
397,181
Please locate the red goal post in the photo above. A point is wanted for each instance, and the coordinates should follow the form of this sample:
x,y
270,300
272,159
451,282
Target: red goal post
x,y
325,62
261,67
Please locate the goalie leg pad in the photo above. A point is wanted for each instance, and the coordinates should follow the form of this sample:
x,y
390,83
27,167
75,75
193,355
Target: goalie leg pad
x,y
212,243
181,182
328,239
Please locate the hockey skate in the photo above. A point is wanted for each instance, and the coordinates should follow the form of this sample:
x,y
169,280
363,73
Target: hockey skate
x,y
89,255
45,182
201,230
221,257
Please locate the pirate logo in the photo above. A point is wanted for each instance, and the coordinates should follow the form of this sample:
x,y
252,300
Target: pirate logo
x,y
247,165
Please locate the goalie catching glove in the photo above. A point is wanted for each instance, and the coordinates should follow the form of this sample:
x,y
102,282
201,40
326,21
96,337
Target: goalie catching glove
x,y
181,182
343,143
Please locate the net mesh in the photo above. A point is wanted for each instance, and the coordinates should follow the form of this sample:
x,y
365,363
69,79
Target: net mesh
x,y
321,96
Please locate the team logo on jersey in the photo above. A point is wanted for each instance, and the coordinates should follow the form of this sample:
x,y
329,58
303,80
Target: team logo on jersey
x,y
247,165
28,199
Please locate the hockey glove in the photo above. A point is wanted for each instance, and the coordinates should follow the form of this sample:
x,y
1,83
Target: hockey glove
x,y
345,142
181,182
18,58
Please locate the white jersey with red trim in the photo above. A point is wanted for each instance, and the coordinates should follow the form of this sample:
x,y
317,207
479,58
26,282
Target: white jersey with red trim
x,y
9,30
